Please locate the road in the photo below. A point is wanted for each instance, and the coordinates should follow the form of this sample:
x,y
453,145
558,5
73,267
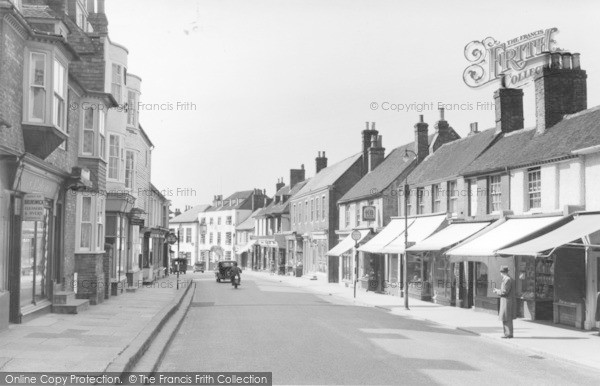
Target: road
x,y
305,338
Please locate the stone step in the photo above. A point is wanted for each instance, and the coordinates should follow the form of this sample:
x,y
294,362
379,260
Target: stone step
x,y
63,297
74,306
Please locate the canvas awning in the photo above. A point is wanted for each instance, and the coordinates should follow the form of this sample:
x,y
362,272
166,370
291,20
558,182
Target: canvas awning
x,y
246,247
507,232
347,243
420,229
449,236
582,225
387,234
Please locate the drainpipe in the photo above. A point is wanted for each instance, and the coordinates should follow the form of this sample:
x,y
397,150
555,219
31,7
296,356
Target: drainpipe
x,y
509,187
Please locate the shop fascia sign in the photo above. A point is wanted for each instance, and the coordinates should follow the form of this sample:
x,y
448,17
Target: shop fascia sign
x,y
517,60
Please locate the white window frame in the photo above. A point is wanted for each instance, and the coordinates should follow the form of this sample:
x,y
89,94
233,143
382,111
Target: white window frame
x,y
495,193
59,94
88,130
120,159
116,87
452,197
436,203
534,188
357,214
132,112
347,216
96,222
323,213
132,171
420,200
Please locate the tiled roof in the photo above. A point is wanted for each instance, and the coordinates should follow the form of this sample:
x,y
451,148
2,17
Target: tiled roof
x,y
379,179
242,196
248,224
451,158
329,175
190,215
38,11
574,132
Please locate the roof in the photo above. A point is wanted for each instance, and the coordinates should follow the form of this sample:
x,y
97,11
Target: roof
x,y
328,176
451,158
248,224
523,147
379,179
190,215
242,196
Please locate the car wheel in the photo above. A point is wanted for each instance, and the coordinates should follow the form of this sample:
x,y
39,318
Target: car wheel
x,y
218,280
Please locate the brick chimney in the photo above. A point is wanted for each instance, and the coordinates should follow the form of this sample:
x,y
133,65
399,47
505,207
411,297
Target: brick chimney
x,y
376,152
367,135
509,109
217,200
177,212
443,133
98,19
297,175
321,162
560,89
280,184
421,139
473,128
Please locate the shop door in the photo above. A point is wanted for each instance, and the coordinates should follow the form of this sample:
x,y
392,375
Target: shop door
x,y
334,269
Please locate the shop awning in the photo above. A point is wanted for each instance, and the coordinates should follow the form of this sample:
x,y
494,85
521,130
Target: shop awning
x,y
449,236
581,226
504,234
420,229
347,243
387,234
246,247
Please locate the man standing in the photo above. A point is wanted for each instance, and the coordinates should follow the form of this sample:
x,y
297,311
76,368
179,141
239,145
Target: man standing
x,y
507,302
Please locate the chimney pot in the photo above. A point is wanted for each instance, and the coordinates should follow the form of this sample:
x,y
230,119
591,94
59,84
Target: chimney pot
x,y
566,61
302,166
372,125
367,124
474,128
575,61
555,60
442,114
421,118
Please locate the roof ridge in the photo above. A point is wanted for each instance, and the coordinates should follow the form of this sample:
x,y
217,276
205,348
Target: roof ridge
x,y
582,112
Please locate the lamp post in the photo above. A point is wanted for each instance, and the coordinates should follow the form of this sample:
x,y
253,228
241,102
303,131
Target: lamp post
x,y
405,259
356,236
179,231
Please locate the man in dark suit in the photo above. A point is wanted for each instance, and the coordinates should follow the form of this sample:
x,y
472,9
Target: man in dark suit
x,y
507,302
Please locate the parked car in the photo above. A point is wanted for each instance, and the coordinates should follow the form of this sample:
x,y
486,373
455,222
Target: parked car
x,y
200,266
223,270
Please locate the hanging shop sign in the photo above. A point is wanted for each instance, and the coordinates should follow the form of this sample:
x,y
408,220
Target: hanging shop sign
x,y
369,213
518,60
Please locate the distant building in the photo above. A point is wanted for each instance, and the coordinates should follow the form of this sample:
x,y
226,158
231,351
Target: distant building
x,y
190,237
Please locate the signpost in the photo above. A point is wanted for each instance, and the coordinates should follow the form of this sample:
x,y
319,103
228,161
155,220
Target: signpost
x,y
356,236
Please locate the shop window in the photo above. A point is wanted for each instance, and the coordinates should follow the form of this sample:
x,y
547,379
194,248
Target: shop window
x,y
90,223
495,194
347,266
534,188
481,280
34,260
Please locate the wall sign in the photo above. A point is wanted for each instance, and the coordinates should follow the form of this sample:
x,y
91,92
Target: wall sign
x,y
369,213
33,207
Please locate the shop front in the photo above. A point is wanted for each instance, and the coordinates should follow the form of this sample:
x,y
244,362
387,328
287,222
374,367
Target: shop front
x,y
295,254
558,272
345,254
477,266
118,236
435,268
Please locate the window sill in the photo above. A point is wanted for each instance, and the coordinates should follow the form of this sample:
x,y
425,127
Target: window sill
x,y
99,252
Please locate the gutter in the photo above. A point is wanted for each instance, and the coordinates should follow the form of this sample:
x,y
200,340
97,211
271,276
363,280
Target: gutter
x,y
587,150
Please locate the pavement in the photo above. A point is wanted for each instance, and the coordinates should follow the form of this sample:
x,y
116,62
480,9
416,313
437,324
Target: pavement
x,y
545,340
110,336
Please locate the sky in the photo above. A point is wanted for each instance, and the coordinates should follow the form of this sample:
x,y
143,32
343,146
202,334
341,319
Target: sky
x,y
235,93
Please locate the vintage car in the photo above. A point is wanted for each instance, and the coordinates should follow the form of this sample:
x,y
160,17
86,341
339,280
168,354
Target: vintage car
x,y
223,270
199,266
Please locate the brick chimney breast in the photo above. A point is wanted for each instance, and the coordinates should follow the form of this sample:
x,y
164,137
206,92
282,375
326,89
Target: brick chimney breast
x,y
321,162
296,176
367,136
443,133
280,184
421,139
509,109
376,152
560,89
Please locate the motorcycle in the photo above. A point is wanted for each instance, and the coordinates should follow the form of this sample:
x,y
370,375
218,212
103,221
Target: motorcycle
x,y
235,281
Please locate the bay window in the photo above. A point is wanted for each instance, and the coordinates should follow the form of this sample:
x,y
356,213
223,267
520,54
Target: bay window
x,y
132,113
88,132
115,157
117,82
93,141
59,113
90,223
129,169
37,87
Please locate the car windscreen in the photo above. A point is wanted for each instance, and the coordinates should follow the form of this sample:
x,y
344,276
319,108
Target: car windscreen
x,y
225,265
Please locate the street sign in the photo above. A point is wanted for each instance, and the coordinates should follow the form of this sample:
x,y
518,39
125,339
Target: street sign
x,y
369,213
172,238
356,235
33,207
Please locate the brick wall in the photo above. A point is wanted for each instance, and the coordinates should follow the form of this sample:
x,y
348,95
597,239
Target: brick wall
x,y
90,278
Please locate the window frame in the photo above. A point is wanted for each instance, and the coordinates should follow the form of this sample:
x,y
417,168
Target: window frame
x,y
116,85
534,188
436,198
120,158
494,194
452,188
132,177
96,223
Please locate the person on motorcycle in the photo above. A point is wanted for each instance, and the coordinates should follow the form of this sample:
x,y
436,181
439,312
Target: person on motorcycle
x,y
235,271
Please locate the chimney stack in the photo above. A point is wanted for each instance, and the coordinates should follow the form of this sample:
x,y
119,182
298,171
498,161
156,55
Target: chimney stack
x,y
560,89
177,212
474,128
98,20
297,175
367,135
421,139
321,162
376,152
443,133
280,184
509,109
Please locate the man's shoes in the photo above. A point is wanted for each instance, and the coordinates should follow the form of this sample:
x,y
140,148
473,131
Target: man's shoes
x,y
506,337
